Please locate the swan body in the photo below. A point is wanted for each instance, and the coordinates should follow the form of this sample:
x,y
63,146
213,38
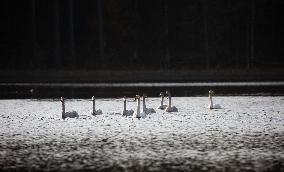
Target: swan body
x,y
127,112
94,111
149,110
170,108
211,104
124,111
71,114
162,106
138,114
145,109
97,112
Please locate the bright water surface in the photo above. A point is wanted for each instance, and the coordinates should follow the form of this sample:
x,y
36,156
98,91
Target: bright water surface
x,y
247,134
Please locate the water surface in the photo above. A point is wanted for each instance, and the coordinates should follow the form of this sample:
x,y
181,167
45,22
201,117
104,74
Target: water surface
x,y
247,134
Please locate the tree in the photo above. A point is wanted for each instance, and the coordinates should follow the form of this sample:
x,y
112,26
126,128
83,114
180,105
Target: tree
x,y
57,33
205,33
34,32
166,54
71,32
250,34
101,30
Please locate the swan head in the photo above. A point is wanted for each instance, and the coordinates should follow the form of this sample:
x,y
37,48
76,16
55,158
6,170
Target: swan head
x,y
124,98
211,93
137,97
168,93
162,94
62,99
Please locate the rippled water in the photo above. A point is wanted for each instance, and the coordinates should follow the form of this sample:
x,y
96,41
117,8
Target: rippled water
x,y
149,84
246,135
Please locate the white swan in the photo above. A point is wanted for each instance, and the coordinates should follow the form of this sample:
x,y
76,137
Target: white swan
x,y
138,114
72,114
94,111
170,108
162,106
211,105
126,112
144,108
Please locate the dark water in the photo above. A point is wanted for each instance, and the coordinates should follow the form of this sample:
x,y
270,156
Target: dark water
x,y
85,90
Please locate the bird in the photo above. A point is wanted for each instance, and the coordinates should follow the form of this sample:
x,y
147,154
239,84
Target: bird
x,y
162,106
94,111
72,114
144,108
126,112
170,108
138,114
211,105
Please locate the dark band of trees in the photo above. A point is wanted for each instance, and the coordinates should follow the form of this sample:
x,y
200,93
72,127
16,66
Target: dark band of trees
x,y
142,34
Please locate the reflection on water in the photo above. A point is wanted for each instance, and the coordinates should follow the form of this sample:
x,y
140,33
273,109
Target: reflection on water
x,y
148,84
246,135
85,90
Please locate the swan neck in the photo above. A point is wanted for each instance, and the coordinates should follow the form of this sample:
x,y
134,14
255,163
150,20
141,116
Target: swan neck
x,y
138,106
211,101
162,101
124,105
170,100
94,105
63,107
144,104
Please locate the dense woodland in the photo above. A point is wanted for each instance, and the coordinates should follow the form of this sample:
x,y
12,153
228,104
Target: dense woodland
x,y
141,34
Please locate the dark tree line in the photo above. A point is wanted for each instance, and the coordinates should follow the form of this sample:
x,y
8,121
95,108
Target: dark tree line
x,y
141,34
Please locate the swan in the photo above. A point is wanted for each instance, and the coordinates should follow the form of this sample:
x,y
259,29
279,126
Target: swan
x,y
137,114
126,112
162,106
96,112
145,109
72,114
170,108
211,105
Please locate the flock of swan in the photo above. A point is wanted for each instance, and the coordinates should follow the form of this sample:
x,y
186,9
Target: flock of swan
x,y
137,113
